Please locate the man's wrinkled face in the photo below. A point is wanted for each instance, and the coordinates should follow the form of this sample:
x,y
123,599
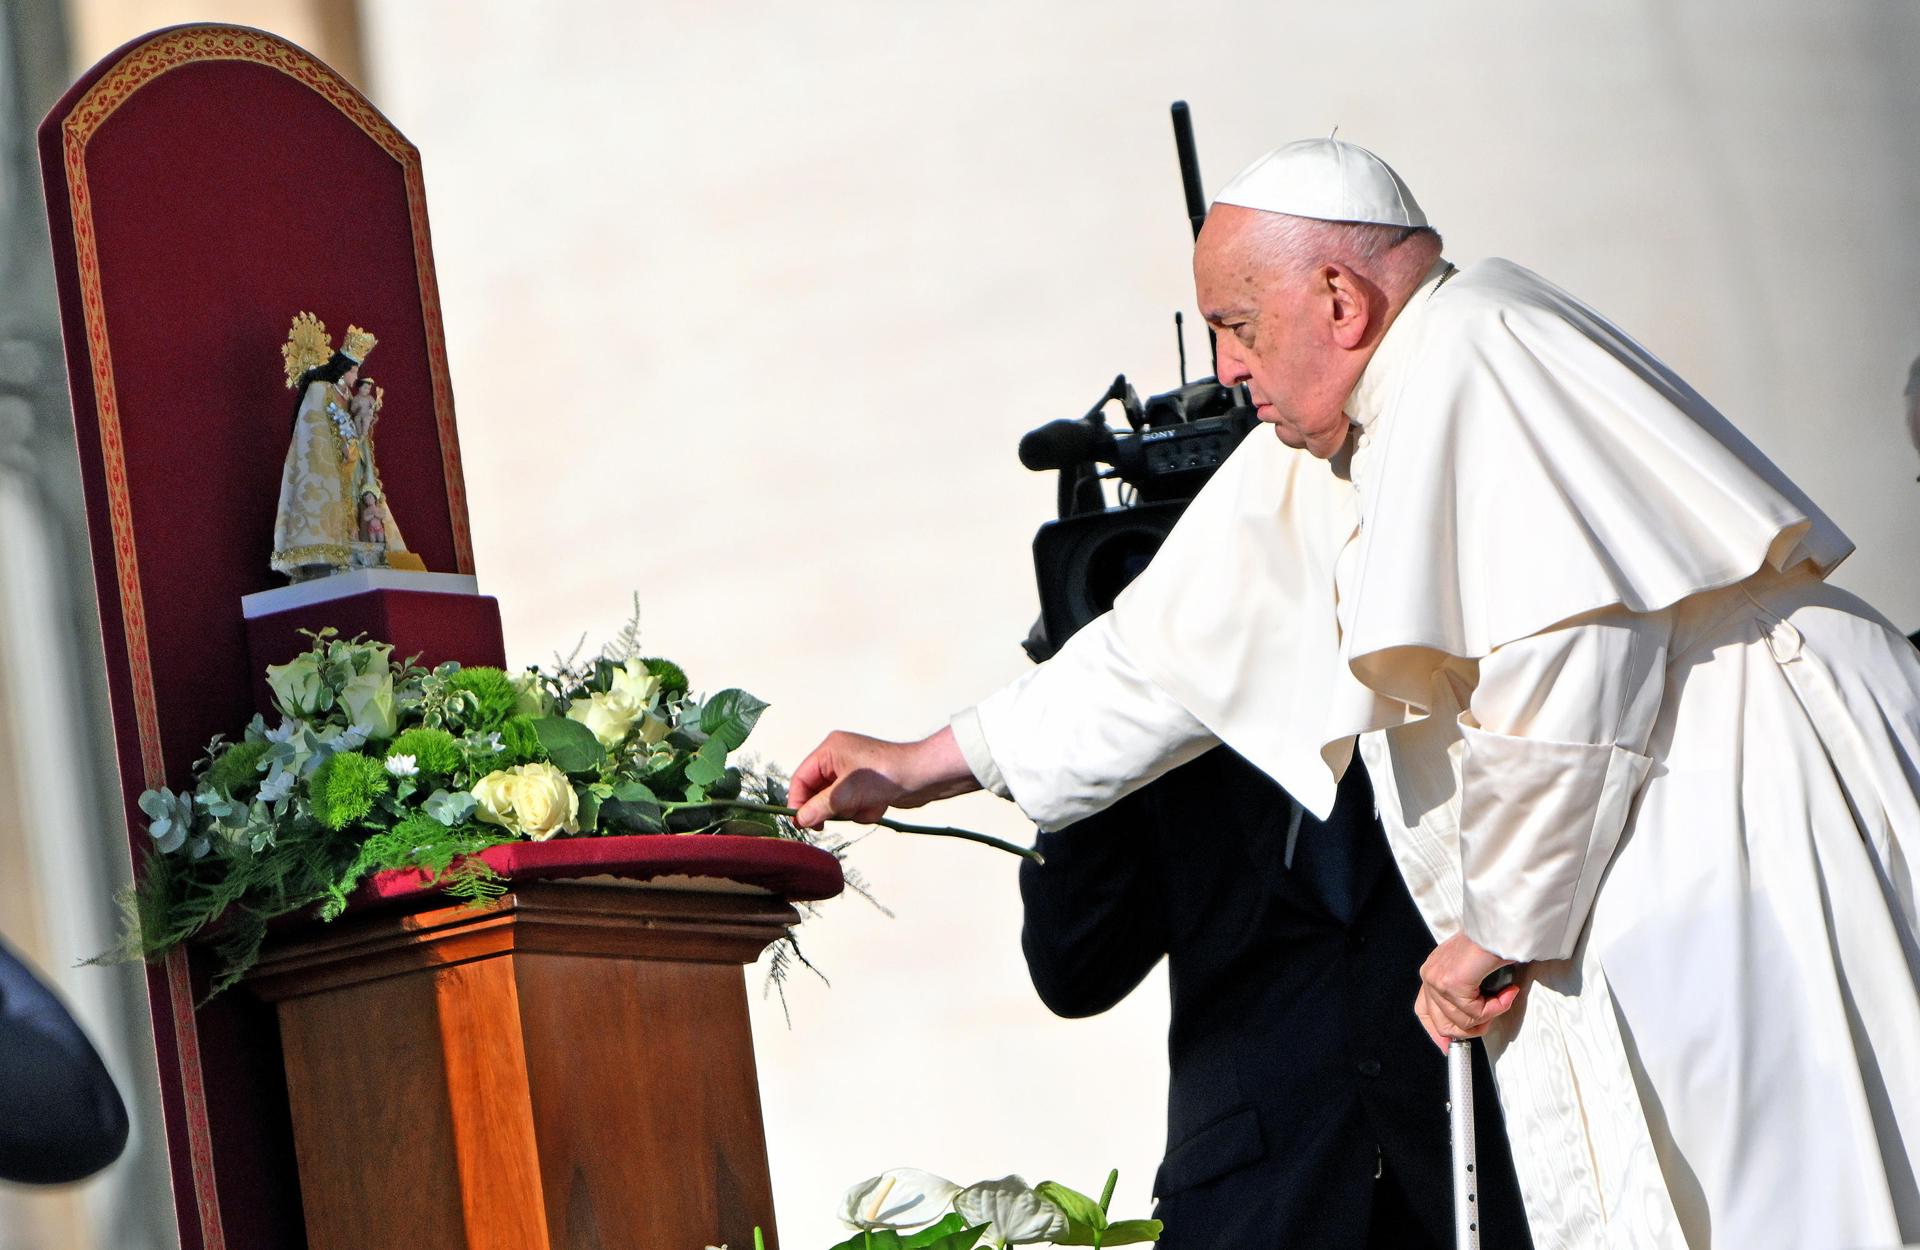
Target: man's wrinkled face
x,y
1273,335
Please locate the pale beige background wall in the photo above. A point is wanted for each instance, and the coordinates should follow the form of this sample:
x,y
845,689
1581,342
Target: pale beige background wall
x,y
748,304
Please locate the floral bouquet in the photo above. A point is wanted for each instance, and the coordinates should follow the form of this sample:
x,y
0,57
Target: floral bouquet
x,y
378,764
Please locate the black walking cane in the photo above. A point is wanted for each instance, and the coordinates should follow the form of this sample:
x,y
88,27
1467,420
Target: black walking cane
x,y
1466,1162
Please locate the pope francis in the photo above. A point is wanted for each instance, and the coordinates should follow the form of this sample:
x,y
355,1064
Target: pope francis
x,y
1620,729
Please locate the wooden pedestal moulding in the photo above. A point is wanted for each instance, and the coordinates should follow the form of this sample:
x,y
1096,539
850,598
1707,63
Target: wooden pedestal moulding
x,y
569,1068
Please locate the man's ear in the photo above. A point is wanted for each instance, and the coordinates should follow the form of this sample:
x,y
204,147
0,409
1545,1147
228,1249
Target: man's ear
x,y
1349,305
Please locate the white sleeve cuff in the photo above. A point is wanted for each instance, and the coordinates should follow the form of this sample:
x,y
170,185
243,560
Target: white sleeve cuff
x,y
972,741
1539,822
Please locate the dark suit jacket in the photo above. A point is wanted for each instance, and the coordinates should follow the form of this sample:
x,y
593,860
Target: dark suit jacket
x,y
1298,1070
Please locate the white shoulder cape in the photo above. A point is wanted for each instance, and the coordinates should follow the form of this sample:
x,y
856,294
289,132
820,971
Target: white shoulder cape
x,y
1531,464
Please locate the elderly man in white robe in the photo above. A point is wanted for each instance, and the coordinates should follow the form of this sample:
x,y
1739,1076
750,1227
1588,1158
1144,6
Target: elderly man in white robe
x,y
1620,729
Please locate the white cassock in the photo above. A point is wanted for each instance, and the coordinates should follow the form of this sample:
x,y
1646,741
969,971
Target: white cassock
x,y
1618,727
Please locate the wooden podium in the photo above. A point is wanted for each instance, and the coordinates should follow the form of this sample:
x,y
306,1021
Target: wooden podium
x,y
568,1067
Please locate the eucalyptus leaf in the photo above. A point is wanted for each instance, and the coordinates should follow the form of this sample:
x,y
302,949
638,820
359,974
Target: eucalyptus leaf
x,y
450,808
709,763
730,716
569,744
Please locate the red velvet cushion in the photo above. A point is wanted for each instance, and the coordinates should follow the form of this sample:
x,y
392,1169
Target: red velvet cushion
x,y
780,865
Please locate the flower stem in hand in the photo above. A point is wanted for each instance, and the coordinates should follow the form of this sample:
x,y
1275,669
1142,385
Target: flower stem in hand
x,y
898,826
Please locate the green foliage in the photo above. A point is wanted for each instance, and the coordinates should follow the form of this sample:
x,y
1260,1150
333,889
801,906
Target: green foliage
x,y
631,807
435,752
1087,1223
237,766
569,744
522,741
673,678
951,1233
419,841
343,788
730,716
296,816
482,699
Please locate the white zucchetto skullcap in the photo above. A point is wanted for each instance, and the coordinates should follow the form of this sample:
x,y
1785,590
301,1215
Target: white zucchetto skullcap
x,y
1327,179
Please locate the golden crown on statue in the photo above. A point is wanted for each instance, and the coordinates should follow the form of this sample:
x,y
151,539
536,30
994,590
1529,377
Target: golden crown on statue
x,y
309,346
356,344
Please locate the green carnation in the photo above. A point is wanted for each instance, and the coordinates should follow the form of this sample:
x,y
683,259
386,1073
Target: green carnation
x,y
237,766
522,743
433,750
343,788
490,697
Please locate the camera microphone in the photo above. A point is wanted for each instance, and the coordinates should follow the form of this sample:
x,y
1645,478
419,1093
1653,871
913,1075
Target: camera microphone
x,y
1063,444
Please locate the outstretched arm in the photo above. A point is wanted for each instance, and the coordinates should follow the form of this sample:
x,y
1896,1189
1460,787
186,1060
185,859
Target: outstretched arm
x,y
1064,741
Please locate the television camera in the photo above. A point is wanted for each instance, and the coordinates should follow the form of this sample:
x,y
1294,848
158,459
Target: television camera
x,y
1173,443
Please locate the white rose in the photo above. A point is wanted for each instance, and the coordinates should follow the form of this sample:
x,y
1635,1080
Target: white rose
x,y
532,698
610,716
633,680
493,799
544,802
368,700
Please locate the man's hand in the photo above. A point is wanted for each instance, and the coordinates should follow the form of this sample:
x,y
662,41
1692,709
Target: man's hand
x,y
1450,1004
853,777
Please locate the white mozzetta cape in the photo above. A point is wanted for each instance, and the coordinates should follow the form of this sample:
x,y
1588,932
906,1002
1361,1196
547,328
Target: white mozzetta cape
x,y
1617,726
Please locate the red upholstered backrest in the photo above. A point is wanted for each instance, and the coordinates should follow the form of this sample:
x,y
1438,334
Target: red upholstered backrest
x,y
204,184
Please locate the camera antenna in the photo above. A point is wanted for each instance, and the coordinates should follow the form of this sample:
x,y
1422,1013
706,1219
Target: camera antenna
x,y
1189,166
1196,199
1180,344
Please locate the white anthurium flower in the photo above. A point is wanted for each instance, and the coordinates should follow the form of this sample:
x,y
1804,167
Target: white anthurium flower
x,y
1013,1213
897,1198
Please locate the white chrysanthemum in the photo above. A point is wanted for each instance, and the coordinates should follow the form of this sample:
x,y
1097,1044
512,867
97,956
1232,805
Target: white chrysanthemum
x,y
403,766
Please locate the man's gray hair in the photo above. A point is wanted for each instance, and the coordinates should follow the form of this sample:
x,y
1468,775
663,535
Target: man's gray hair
x,y
1297,244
